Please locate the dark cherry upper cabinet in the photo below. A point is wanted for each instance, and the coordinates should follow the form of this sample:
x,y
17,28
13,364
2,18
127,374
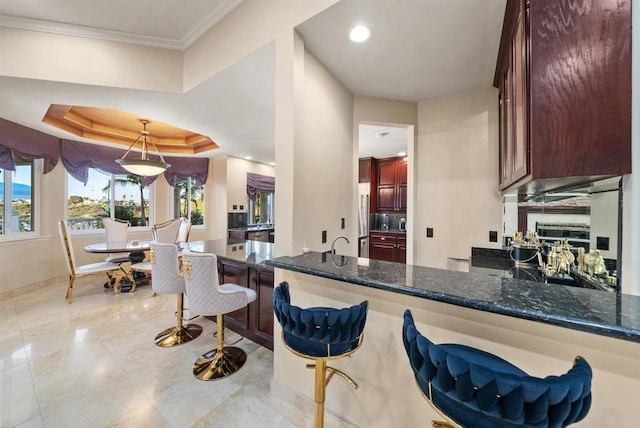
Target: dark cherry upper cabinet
x,y
564,74
391,188
364,170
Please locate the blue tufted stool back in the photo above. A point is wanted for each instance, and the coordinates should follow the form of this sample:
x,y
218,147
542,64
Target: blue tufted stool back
x,y
318,332
478,389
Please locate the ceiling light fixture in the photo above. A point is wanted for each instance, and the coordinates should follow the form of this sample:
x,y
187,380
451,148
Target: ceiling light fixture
x,y
359,33
144,167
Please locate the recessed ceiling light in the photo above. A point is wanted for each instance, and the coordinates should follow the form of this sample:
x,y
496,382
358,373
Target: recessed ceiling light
x,y
359,33
272,163
402,153
247,157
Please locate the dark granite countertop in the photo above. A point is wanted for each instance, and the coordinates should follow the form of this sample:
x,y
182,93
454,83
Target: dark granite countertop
x,y
253,228
251,253
403,232
593,311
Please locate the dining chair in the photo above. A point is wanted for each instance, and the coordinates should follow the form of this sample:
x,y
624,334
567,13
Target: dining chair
x,y
75,270
184,230
164,233
116,231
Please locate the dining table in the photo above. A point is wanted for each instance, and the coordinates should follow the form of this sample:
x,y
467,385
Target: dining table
x,y
126,283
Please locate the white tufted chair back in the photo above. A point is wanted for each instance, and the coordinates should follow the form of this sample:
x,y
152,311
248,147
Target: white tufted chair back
x,y
206,295
184,229
165,270
166,232
116,230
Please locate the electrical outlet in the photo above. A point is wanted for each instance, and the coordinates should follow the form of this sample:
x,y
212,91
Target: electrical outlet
x,y
324,236
602,243
493,236
429,232
241,207
342,223
235,207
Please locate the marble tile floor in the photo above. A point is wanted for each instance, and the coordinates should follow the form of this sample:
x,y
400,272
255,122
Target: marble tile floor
x,y
93,363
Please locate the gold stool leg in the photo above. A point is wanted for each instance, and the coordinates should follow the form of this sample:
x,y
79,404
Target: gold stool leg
x,y
179,334
320,387
222,361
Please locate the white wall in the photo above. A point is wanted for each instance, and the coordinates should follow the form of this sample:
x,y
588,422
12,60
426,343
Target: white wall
x,y
46,56
604,222
457,189
237,170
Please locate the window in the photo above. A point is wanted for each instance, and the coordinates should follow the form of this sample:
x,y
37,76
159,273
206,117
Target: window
x,y
188,200
17,199
261,210
106,195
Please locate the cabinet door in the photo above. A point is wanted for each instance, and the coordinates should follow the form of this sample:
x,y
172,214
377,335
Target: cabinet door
x,y
263,281
386,185
236,274
364,169
402,186
382,247
520,149
401,249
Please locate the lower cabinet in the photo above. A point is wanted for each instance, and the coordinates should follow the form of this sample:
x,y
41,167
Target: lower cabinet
x,y
255,322
390,247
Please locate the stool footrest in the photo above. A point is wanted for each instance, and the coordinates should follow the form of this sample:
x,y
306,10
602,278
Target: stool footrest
x,y
332,371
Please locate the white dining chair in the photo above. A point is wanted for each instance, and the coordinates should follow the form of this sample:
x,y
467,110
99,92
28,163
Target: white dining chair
x,y
75,270
116,231
164,233
184,230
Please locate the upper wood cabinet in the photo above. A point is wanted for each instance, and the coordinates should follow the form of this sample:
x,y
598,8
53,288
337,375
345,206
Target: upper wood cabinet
x,y
391,186
564,74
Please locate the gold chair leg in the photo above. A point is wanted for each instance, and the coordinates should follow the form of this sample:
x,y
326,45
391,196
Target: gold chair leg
x,y
220,362
179,334
69,295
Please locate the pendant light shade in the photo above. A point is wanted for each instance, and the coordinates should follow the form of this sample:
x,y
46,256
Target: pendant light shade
x,y
144,166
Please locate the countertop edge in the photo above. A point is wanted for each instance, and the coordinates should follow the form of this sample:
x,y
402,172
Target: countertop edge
x,y
607,330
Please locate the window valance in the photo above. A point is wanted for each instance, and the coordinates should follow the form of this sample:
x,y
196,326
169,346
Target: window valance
x,y
28,144
257,182
78,157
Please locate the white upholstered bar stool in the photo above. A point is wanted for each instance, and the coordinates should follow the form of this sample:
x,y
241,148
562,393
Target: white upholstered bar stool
x,y
167,279
208,297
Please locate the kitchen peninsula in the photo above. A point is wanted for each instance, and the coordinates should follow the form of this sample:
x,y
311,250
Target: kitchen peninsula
x,y
541,327
243,263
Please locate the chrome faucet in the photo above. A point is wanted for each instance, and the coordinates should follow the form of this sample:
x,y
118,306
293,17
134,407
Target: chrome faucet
x,y
333,250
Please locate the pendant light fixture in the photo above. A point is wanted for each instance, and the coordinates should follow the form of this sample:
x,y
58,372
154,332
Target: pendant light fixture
x,y
143,167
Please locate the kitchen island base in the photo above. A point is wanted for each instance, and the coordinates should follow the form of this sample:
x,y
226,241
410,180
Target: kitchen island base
x,y
388,395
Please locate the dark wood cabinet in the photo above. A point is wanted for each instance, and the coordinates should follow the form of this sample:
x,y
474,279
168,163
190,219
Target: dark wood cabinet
x,y
391,247
364,170
255,321
564,74
263,235
391,186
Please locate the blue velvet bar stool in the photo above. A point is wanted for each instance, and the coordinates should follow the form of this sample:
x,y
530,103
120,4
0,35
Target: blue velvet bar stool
x,y
320,334
472,388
